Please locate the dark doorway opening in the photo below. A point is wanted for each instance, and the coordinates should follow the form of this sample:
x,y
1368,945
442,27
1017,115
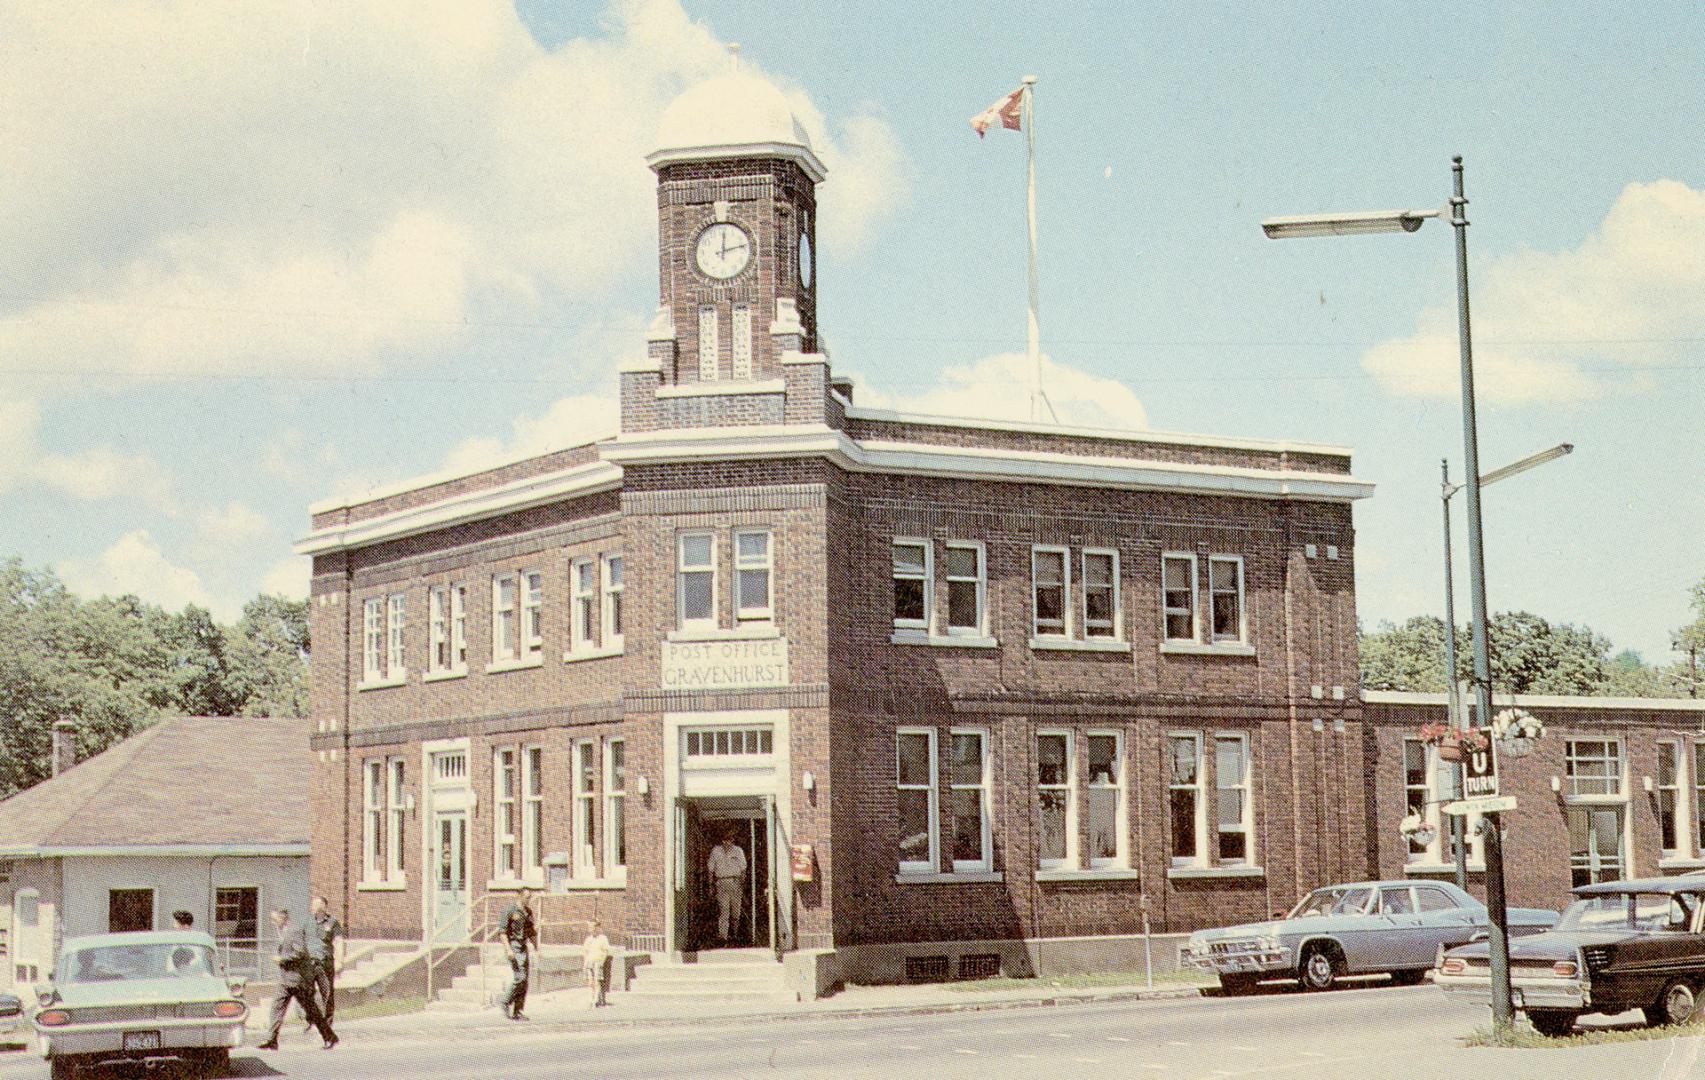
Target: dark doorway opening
x,y
705,823
130,909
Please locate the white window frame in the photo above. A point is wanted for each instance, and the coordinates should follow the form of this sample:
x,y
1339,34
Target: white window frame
x,y
1116,631
986,862
1166,610
681,572
1620,796
373,639
1215,637
927,576
613,579
1686,830
615,862
532,626
584,616
584,813
1065,555
932,788
1069,861
1246,787
1429,809
1197,788
764,564
459,628
532,813
710,349
396,636
1695,791
981,581
505,867
505,641
374,779
1121,823
396,818
438,630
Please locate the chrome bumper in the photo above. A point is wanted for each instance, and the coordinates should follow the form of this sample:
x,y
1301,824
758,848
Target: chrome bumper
x,y
108,1037
1529,993
1254,962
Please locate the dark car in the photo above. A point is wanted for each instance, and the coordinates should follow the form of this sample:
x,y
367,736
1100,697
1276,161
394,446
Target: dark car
x,y
1621,945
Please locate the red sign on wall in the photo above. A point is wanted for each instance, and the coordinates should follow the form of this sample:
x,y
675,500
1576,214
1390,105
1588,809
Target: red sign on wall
x,y
804,863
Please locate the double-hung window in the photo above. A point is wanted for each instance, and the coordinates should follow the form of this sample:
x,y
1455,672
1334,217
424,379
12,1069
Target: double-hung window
x,y
914,584
373,821
533,813
1050,587
1178,596
506,823
915,799
968,799
1056,800
613,588
1184,797
583,631
373,639
1101,608
533,614
1697,828
1427,779
504,617
1232,798
585,809
615,809
396,657
396,808
1671,840
967,589
458,628
438,629
1216,831
752,577
695,581
1225,588
1107,846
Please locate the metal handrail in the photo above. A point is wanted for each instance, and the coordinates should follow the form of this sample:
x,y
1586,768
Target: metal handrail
x,y
479,935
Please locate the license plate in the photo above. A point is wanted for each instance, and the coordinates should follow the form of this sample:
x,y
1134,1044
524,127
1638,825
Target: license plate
x,y
1238,963
142,1040
1515,998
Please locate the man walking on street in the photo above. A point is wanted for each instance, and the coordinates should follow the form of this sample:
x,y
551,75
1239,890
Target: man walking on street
x,y
295,975
727,866
595,958
518,931
320,933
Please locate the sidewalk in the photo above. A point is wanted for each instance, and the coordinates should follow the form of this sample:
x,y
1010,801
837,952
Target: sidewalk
x,y
568,1010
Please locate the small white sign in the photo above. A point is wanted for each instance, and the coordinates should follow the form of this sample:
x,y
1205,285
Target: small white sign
x,y
724,665
1494,805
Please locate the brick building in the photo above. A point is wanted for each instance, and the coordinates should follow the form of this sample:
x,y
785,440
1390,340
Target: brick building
x,y
954,687
1615,789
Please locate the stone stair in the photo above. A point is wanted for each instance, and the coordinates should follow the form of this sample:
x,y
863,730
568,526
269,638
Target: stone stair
x,y
733,976
466,992
369,964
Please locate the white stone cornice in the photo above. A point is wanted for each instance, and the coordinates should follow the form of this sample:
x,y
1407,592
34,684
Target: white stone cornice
x,y
469,506
1542,701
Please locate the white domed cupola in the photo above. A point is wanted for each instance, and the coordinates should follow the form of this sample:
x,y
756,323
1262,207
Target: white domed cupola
x,y
737,115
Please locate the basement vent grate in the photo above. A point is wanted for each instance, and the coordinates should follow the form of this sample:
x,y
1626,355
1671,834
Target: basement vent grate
x,y
980,966
926,969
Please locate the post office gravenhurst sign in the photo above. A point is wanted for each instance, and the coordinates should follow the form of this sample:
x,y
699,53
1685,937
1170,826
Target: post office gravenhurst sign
x,y
724,665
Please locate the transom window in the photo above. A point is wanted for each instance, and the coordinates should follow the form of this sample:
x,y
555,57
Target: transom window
x,y
450,767
729,742
1594,768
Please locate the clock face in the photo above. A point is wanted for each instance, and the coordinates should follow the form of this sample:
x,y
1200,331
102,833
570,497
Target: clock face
x,y
805,258
723,250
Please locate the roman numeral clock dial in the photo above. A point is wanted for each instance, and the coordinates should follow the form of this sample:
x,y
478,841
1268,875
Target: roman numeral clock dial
x,y
723,251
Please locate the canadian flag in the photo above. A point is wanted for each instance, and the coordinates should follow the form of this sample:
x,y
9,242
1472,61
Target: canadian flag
x,y
1007,112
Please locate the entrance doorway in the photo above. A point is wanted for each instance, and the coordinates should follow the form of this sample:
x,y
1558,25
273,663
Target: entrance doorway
x,y
450,888
129,910
747,822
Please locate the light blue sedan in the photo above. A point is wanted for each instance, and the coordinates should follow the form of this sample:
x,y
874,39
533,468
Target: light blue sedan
x,y
1367,927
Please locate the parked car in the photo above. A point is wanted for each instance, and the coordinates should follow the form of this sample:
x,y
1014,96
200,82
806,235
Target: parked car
x,y
1367,927
11,1017
1621,945
153,997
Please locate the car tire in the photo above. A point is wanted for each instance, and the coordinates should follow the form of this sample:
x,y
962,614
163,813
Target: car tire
x,y
64,1069
1232,985
1676,1005
1552,1023
1319,969
1408,977
217,1062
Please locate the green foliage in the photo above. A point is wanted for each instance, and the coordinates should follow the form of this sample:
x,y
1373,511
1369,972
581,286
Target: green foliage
x,y
1407,657
115,665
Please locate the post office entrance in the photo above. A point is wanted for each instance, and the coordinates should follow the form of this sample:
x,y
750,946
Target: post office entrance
x,y
718,904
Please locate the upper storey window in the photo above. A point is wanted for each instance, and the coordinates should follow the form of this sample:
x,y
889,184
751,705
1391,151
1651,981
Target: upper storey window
x,y
517,619
1076,599
695,581
914,593
383,642
1214,621
752,576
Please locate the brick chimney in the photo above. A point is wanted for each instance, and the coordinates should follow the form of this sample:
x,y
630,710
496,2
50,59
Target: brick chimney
x,y
64,745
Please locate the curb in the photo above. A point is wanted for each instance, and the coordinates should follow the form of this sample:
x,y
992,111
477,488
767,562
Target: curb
x,y
935,1008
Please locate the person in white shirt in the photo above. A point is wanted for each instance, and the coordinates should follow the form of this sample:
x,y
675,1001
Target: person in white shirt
x,y
727,866
595,958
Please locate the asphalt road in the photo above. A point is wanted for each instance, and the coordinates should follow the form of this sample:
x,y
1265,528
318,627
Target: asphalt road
x,y
1381,1032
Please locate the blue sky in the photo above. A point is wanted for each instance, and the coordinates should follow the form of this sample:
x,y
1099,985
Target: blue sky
x,y
251,263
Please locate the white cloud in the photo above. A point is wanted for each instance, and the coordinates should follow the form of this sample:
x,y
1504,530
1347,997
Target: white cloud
x,y
136,565
92,474
226,533
1564,326
998,388
319,188
569,421
287,578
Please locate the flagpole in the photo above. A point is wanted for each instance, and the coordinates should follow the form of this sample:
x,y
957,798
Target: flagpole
x,y
1035,278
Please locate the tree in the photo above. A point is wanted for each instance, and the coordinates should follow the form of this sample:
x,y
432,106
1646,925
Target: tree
x,y
1407,657
1531,656
1628,675
268,658
1689,640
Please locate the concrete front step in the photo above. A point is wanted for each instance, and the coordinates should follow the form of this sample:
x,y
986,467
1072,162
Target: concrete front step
x,y
717,996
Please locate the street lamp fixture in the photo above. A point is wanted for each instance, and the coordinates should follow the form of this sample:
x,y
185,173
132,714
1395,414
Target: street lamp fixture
x,y
1357,224
1408,221
1526,463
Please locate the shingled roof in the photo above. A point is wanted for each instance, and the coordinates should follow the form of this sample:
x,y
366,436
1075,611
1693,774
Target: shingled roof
x,y
188,783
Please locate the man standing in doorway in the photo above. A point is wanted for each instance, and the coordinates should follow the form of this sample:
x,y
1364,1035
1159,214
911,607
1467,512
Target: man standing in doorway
x,y
727,867
294,981
518,930
320,933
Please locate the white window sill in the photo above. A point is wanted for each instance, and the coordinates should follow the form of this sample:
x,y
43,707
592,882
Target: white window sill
x,y
1677,862
441,676
1475,866
382,886
1187,872
1108,873
515,664
600,653
721,388
946,641
964,877
1595,800
578,884
385,683
744,632
1196,648
1080,644
515,884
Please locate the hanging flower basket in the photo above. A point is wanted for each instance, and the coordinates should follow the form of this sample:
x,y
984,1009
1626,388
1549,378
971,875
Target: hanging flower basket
x,y
1453,745
1517,725
1451,751
1418,829
1519,747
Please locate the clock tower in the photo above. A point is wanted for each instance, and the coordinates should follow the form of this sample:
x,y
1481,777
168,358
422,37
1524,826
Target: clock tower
x,y
736,220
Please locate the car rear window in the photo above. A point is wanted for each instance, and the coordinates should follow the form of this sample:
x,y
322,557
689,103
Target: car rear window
x,y
111,963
